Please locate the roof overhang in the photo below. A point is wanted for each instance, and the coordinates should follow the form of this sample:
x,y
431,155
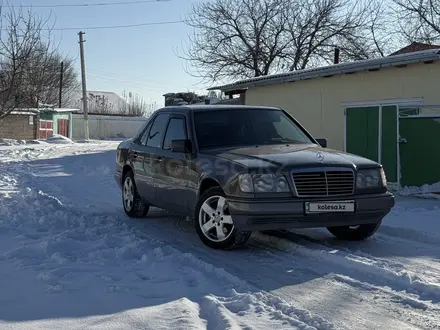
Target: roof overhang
x,y
25,110
23,113
236,91
65,109
427,56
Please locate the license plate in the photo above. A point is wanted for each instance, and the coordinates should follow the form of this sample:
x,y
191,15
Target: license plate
x,y
327,207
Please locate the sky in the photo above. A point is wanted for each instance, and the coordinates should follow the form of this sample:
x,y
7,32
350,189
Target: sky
x,y
141,60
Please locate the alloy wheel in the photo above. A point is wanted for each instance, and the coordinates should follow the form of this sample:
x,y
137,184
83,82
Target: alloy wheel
x,y
214,219
128,193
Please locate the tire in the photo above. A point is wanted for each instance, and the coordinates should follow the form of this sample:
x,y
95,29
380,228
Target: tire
x,y
133,204
232,237
360,233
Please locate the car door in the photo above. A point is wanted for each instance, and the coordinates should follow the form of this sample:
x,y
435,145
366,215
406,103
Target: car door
x,y
152,145
136,153
141,155
170,176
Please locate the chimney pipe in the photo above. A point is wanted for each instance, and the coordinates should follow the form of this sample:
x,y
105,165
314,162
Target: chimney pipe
x,y
336,59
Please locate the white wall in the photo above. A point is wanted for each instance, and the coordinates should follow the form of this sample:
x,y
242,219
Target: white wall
x,y
106,127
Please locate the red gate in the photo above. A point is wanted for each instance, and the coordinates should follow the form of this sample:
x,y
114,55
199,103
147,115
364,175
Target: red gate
x,y
63,127
46,128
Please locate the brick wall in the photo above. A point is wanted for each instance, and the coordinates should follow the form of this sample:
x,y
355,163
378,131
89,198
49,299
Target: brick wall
x,y
20,127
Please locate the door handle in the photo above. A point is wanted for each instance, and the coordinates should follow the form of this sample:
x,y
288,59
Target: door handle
x,y
135,154
403,140
159,159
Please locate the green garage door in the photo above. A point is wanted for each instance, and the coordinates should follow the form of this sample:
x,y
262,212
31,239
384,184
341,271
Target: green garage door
x,y
362,132
420,155
362,136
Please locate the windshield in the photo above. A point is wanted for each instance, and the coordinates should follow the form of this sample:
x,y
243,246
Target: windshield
x,y
242,127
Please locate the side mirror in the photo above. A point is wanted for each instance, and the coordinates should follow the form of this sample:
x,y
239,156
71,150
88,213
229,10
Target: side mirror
x,y
322,142
181,146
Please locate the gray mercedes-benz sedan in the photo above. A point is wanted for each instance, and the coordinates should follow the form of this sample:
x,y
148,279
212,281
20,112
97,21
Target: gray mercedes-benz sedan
x,y
238,169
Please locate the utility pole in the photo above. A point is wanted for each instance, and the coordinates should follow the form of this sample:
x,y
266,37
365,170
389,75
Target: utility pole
x,y
84,87
61,85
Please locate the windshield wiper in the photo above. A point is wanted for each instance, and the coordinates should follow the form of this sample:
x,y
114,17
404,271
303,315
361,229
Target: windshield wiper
x,y
283,140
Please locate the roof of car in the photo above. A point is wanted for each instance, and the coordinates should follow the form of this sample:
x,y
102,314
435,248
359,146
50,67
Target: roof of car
x,y
213,107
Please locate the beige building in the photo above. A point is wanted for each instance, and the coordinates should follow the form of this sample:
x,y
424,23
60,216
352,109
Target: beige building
x,y
324,98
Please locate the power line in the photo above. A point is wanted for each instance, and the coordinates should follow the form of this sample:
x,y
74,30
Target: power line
x,y
92,4
112,26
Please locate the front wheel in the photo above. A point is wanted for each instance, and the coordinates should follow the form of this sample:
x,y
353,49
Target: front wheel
x,y
133,204
214,224
355,233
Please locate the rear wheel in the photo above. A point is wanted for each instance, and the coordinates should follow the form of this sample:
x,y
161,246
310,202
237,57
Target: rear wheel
x,y
133,204
355,233
214,224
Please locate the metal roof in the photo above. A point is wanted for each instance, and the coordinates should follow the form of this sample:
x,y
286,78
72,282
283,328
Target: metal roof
x,y
336,69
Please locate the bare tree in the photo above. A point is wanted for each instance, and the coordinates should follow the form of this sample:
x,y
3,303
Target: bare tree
x,y
374,38
42,75
98,103
237,39
29,62
48,81
316,27
419,20
136,106
249,38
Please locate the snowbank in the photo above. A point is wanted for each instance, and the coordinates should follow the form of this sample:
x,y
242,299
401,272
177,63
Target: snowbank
x,y
11,142
54,139
58,139
427,190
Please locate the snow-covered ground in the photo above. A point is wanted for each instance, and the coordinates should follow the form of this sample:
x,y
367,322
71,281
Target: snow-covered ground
x,y
70,258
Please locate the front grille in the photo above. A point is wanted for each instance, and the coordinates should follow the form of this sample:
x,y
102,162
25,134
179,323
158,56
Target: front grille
x,y
323,183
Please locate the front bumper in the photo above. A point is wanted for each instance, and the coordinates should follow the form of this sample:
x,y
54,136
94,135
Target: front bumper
x,y
286,214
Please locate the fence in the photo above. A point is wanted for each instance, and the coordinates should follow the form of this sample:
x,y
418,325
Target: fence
x,y
106,127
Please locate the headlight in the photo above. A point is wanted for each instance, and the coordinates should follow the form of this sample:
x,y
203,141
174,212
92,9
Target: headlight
x,y
245,183
263,183
371,178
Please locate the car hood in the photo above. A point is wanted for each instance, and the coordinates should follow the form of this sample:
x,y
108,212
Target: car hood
x,y
299,155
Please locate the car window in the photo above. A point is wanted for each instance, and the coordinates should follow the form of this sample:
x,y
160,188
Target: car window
x,y
144,136
240,127
157,130
176,131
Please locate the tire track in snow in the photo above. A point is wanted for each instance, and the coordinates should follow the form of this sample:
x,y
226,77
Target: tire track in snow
x,y
362,267
411,235
382,292
423,269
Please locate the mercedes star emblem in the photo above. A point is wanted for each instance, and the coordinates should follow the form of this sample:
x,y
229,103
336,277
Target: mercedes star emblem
x,y
320,156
